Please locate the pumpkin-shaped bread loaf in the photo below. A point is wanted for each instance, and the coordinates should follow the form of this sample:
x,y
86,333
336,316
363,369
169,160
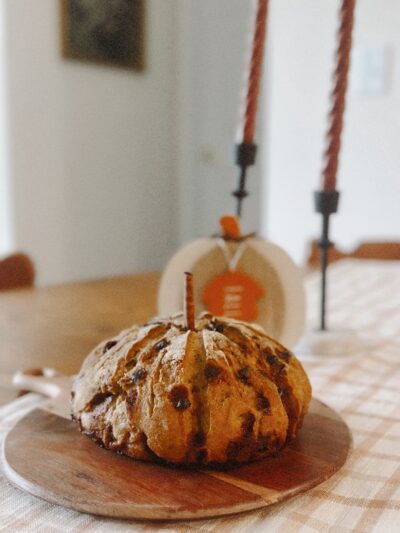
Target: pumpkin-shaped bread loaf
x,y
220,392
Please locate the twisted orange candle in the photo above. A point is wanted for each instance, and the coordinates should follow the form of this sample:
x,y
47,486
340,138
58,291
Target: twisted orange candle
x,y
338,96
255,70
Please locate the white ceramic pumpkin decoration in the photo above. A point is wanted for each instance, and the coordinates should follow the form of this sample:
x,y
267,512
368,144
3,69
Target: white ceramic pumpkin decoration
x,y
239,276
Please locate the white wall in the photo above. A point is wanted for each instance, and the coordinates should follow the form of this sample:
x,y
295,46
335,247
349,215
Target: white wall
x,y
109,170
213,46
6,231
301,62
92,149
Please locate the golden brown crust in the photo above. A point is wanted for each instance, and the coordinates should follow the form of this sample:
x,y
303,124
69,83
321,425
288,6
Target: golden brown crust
x,y
225,392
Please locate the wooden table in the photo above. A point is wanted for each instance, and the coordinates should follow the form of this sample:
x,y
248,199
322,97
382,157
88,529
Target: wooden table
x,y
58,326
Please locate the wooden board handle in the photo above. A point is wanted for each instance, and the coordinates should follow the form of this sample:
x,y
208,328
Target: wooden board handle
x,y
46,381
49,383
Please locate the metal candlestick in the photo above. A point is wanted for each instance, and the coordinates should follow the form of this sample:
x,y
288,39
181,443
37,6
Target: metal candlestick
x,y
245,155
326,203
339,341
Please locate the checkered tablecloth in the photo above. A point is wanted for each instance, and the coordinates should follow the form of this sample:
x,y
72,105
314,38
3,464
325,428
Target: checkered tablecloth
x,y
364,387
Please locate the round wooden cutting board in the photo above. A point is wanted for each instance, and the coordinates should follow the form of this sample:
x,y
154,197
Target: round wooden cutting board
x,y
45,455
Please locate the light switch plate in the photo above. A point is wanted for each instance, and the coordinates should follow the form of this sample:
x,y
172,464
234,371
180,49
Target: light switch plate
x,y
369,75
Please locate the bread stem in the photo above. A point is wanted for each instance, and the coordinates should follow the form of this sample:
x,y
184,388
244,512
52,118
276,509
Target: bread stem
x,y
188,304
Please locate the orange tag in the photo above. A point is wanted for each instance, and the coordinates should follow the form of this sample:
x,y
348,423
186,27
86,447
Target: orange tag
x,y
233,294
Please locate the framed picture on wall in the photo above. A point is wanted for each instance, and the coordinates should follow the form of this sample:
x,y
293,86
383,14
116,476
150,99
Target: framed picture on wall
x,y
108,32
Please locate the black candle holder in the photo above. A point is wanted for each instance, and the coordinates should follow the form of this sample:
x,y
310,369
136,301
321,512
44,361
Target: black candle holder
x,y
326,203
245,155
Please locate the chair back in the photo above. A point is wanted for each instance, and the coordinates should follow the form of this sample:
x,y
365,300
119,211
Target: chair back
x,y
16,270
367,250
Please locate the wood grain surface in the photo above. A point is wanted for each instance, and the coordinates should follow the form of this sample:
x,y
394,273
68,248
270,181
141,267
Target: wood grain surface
x,y
46,456
58,326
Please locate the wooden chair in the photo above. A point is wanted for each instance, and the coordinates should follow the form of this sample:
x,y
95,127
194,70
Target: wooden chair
x,y
367,250
16,270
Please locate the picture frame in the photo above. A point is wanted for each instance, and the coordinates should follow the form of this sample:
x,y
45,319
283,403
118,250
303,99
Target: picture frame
x,y
105,32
